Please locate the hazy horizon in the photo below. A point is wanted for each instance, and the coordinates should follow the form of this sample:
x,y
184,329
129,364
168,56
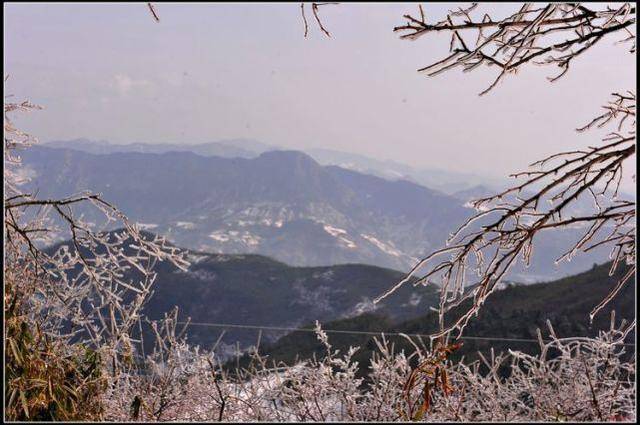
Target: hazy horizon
x,y
210,72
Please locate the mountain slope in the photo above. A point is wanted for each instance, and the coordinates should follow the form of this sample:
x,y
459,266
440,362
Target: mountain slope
x,y
443,180
512,313
252,289
249,290
282,204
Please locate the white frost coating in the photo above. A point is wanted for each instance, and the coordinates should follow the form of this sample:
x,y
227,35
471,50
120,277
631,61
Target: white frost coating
x,y
327,387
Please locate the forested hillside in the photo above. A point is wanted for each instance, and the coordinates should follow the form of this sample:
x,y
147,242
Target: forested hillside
x,y
513,313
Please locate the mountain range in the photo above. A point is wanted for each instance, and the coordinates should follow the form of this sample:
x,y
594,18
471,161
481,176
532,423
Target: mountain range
x,y
281,204
232,148
444,180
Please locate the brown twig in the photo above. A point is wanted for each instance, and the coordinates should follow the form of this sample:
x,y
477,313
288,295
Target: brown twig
x,y
153,12
314,9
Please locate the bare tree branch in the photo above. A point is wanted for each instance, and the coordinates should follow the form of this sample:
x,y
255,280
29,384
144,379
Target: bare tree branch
x,y
153,12
552,35
314,9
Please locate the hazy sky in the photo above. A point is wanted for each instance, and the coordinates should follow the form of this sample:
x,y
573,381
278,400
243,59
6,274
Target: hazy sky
x,y
215,71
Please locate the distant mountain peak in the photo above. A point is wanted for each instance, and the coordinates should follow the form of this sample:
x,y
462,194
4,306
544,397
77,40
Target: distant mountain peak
x,y
291,155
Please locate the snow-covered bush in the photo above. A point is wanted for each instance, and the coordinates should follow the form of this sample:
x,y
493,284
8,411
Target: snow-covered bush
x,y
571,379
69,309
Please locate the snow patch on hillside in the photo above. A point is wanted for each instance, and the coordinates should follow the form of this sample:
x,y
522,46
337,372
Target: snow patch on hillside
x,y
196,258
236,236
364,306
24,174
219,236
334,231
187,225
414,300
339,234
147,226
382,246
326,275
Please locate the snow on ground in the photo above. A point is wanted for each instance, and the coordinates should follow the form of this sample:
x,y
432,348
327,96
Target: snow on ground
x,y
334,231
414,300
236,236
363,306
394,174
263,222
147,226
250,239
196,258
187,225
24,174
348,243
219,236
382,246
339,234
326,275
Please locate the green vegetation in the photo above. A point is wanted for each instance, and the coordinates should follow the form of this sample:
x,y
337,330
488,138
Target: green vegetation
x,y
46,379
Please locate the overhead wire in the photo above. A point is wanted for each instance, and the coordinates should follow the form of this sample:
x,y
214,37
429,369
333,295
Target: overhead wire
x,y
356,332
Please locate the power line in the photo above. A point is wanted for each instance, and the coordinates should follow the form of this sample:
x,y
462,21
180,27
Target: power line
x,y
339,331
